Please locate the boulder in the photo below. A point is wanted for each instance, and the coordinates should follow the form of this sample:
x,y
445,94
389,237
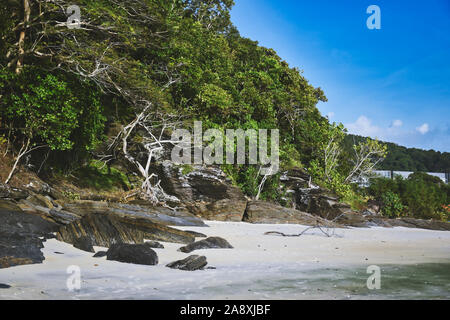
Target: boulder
x,y
132,253
208,243
84,243
106,229
143,210
270,213
4,286
22,236
204,191
191,263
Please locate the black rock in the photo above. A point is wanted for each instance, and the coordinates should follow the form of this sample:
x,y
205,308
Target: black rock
x,y
208,243
132,253
196,234
99,254
84,243
191,263
4,286
21,236
154,244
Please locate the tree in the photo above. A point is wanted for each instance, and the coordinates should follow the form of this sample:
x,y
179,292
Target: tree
x,y
367,155
43,111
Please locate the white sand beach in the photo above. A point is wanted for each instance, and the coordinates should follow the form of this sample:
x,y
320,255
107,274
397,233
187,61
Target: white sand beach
x,y
260,266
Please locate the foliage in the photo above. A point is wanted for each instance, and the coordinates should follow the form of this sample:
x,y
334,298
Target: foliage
x,y
400,158
99,177
392,205
421,195
51,110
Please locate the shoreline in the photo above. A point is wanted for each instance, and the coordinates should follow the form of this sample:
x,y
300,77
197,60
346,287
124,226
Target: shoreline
x,y
259,267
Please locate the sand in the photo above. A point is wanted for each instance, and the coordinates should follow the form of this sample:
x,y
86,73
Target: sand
x,y
259,267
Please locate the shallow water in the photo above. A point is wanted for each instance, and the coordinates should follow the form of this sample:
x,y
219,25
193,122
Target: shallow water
x,y
419,281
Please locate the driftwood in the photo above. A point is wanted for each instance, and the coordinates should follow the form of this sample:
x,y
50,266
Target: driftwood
x,y
327,231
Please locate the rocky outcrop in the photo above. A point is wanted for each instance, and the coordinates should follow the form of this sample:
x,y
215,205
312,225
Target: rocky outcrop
x,y
410,223
266,212
320,202
22,236
191,263
84,243
208,243
106,229
204,191
196,234
132,253
155,214
8,192
353,219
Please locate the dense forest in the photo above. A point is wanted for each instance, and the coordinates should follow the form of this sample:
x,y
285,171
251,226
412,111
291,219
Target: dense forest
x,y
400,158
108,85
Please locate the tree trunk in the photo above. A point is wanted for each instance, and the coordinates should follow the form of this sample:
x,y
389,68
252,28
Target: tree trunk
x,y
26,19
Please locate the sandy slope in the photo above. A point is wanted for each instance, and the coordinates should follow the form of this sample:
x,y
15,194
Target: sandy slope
x,y
259,267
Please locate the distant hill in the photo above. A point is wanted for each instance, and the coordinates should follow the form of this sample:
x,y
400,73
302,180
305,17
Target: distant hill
x,y
407,159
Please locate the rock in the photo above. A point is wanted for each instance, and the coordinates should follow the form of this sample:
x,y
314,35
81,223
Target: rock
x,y
154,244
353,219
99,254
22,236
320,202
132,253
266,212
84,243
63,217
105,230
155,214
8,192
204,191
196,234
40,200
4,286
191,263
208,243
55,214
419,223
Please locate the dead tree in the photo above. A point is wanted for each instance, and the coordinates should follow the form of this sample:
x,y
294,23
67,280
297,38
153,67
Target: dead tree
x,y
153,141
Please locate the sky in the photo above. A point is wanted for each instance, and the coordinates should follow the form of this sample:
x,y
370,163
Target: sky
x,y
391,83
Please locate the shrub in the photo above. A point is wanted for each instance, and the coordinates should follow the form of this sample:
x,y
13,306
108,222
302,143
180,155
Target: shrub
x,y
392,205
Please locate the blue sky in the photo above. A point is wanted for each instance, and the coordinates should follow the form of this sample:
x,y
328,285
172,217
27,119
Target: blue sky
x,y
392,84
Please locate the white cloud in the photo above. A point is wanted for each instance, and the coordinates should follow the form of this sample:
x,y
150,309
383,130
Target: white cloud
x,y
330,115
397,123
363,126
422,137
423,128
